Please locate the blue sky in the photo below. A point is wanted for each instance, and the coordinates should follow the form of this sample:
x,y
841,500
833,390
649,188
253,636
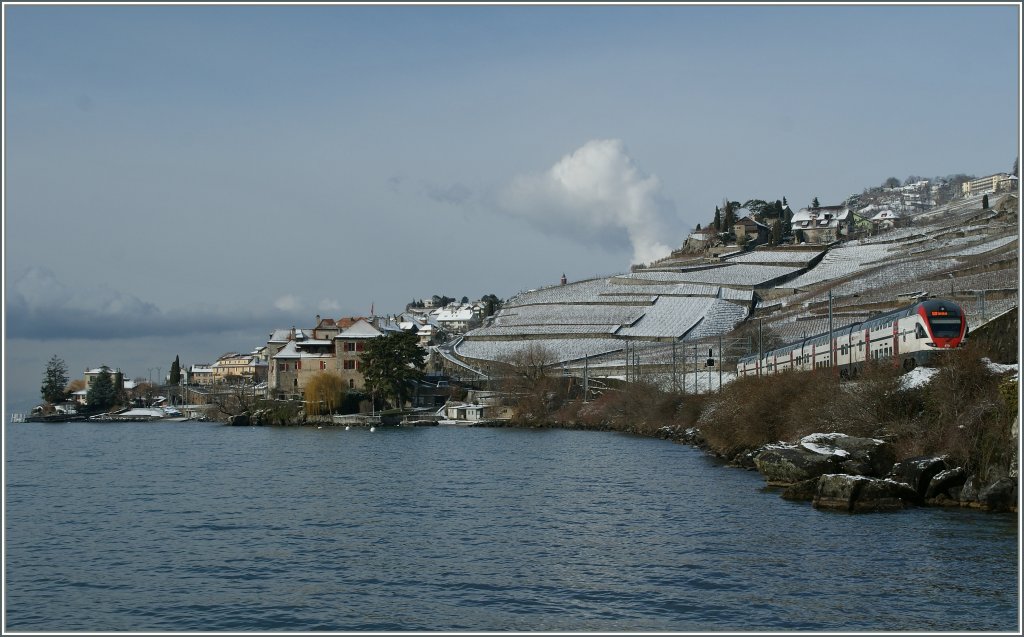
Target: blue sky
x,y
180,180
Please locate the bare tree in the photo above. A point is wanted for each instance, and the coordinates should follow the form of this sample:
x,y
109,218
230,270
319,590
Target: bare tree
x,y
526,375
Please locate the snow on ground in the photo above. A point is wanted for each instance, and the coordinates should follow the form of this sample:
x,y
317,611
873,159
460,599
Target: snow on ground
x,y
998,368
819,443
917,377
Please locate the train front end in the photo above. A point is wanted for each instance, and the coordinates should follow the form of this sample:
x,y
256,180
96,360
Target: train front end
x,y
946,323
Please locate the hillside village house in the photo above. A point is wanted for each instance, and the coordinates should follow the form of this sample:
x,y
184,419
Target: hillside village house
x,y
456,319
751,231
824,224
885,219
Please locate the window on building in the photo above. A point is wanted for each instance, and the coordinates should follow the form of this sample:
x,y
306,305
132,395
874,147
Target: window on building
x,y
323,365
350,365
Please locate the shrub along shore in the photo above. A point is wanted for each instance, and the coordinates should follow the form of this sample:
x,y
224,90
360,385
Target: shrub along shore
x,y
878,443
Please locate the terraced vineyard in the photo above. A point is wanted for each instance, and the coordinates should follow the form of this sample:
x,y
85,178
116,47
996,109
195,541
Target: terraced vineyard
x,y
647,317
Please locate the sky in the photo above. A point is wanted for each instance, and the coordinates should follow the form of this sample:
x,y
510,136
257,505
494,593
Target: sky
x,y
182,180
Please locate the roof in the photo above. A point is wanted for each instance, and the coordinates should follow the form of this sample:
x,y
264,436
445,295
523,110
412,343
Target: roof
x,y
459,314
360,329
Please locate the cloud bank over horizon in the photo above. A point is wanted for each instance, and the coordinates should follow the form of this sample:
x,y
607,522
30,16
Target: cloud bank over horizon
x,y
598,195
41,307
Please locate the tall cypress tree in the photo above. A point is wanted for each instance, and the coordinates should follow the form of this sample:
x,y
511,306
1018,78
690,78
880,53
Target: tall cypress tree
x,y
718,220
175,372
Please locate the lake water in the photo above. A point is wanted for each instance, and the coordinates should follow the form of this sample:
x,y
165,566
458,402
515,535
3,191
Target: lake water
x,y
202,527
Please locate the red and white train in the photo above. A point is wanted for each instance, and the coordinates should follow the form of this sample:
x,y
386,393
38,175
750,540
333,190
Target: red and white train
x,y
907,337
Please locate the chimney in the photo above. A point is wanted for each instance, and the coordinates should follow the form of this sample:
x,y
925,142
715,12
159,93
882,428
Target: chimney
x,y
564,280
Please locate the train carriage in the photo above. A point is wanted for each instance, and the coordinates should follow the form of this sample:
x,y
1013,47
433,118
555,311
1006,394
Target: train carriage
x,y
908,337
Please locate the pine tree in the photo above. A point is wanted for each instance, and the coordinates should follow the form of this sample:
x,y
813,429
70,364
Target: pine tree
x,y
102,394
718,220
815,204
175,372
55,379
698,226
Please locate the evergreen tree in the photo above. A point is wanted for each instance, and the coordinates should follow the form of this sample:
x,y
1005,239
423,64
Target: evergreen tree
x,y
698,227
984,202
776,237
784,202
102,394
390,362
717,223
55,379
491,304
730,216
815,204
175,372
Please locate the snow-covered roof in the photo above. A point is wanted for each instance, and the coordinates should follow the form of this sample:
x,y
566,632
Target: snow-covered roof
x,y
464,313
360,329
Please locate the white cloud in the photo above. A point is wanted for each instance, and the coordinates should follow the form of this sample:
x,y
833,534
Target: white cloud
x,y
288,303
597,194
328,305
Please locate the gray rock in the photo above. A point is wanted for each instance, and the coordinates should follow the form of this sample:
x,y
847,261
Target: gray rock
x,y
969,493
862,494
946,483
783,466
1001,495
837,491
801,491
884,495
918,472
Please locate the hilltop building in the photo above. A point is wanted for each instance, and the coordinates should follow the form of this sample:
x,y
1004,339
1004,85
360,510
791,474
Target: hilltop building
x,y
1000,182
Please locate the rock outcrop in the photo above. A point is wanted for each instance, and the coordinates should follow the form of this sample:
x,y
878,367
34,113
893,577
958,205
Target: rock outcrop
x,y
918,472
818,454
860,494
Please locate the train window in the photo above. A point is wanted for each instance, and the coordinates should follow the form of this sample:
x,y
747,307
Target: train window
x,y
919,331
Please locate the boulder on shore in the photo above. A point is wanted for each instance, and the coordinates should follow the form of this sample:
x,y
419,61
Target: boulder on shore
x,y
786,465
821,453
918,472
1001,495
946,485
861,494
802,491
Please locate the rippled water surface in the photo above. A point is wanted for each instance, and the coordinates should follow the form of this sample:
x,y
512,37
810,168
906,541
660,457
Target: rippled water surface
x,y
189,527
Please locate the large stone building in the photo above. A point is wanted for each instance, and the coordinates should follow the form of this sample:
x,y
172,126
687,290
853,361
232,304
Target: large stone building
x,y
295,356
